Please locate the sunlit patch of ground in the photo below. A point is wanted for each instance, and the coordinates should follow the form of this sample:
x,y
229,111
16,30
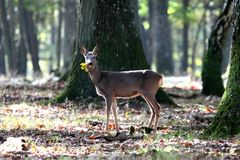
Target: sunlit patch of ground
x,y
30,128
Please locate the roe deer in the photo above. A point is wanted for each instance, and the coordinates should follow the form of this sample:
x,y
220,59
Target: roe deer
x,y
124,84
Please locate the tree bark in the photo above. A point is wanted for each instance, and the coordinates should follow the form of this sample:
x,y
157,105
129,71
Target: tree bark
x,y
33,43
79,84
22,52
30,36
185,36
69,31
112,25
8,40
2,56
211,71
161,37
22,60
227,121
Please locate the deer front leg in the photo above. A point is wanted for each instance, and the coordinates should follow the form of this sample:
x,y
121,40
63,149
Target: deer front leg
x,y
108,109
114,108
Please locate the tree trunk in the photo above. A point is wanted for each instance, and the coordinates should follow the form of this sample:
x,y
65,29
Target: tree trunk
x,y
22,60
205,37
8,40
69,31
33,43
149,33
145,40
59,35
53,39
185,36
53,48
211,72
30,36
11,18
161,37
22,52
111,25
12,26
227,121
2,56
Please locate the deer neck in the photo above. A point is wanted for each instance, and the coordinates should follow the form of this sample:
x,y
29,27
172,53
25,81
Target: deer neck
x,y
95,75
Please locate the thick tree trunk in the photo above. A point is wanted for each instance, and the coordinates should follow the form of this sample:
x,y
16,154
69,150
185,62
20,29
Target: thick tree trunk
x,y
211,71
69,31
79,83
161,37
8,40
227,121
111,25
2,56
185,36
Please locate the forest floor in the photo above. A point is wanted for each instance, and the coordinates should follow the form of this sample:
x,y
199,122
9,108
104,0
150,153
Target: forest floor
x,y
33,128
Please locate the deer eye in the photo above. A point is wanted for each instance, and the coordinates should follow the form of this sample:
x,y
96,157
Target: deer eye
x,y
94,57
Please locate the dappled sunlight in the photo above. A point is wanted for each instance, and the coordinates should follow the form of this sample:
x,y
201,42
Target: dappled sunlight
x,y
183,82
160,68
77,129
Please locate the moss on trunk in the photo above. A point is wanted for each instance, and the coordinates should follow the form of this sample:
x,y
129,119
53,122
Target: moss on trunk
x,y
211,72
227,121
79,84
113,26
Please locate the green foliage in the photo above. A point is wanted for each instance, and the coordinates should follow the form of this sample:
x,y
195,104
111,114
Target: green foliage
x,y
193,13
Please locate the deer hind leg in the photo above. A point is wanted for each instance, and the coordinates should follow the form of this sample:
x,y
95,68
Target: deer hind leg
x,y
151,110
114,108
108,101
156,108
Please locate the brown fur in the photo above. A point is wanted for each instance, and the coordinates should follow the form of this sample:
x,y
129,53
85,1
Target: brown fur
x,y
125,84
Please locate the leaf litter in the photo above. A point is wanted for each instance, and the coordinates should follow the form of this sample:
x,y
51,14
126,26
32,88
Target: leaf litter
x,y
35,130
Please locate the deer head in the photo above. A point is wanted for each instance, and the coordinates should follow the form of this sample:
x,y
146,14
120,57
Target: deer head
x,y
90,57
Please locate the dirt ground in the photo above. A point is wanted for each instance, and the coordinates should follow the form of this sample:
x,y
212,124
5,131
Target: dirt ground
x,y
32,127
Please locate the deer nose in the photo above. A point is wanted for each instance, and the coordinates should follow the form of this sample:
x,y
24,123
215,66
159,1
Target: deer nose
x,y
90,63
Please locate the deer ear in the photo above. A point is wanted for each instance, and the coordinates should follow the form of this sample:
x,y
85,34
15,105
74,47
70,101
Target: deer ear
x,y
83,50
95,50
